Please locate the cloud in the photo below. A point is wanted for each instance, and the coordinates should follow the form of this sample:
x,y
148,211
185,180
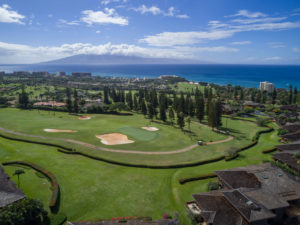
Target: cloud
x,y
108,16
184,38
276,45
16,53
275,58
50,15
296,49
107,2
144,9
9,16
241,42
98,31
65,22
248,14
219,30
154,10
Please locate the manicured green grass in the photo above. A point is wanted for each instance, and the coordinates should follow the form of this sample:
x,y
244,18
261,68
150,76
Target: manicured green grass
x,y
167,137
92,190
138,133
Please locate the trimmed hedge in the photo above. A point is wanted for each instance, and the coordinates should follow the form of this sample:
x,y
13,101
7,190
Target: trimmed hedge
x,y
175,166
35,142
270,150
202,177
48,174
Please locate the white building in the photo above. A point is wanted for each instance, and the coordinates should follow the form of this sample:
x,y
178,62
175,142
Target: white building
x,y
266,86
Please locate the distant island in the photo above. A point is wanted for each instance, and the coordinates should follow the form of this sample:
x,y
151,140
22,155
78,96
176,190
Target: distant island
x,y
108,59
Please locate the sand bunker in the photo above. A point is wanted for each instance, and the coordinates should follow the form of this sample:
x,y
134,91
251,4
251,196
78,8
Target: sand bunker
x,y
114,139
59,131
84,118
150,128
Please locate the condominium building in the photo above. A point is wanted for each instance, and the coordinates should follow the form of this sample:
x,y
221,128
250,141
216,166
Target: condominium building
x,y
266,86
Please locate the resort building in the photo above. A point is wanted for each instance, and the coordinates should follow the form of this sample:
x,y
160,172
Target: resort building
x,y
253,195
81,75
9,193
59,74
266,86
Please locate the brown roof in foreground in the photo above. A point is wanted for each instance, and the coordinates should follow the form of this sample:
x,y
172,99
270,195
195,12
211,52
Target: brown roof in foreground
x,y
289,147
292,136
128,222
9,192
292,127
217,210
287,158
251,210
239,178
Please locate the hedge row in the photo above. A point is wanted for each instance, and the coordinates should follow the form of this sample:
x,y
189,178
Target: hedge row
x,y
256,137
48,174
175,166
35,142
270,150
202,177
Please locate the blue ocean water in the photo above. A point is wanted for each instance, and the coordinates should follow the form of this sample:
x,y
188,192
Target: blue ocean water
x,y
244,75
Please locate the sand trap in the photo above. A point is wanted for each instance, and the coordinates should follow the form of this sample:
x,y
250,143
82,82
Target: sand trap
x,y
114,139
84,118
59,131
150,128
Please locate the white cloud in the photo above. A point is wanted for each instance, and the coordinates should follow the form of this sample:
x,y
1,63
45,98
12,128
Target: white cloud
x,y
241,42
108,16
154,10
248,14
65,22
144,9
16,53
50,15
296,49
106,2
10,16
275,58
259,20
182,16
98,31
184,38
276,45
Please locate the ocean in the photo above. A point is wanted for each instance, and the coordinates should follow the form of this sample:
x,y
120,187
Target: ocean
x,y
243,75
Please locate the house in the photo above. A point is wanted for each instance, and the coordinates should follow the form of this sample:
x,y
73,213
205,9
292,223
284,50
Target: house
x,y
128,222
9,193
292,127
291,147
253,195
289,159
50,103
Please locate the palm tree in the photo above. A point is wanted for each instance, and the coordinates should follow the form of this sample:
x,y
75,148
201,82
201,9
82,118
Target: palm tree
x,y
18,173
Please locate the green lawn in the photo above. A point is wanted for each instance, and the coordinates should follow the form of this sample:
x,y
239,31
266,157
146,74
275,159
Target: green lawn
x,y
93,190
167,138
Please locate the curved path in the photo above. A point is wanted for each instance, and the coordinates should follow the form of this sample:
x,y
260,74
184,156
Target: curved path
x,y
114,150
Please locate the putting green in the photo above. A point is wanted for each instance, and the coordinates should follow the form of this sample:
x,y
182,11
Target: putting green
x,y
138,133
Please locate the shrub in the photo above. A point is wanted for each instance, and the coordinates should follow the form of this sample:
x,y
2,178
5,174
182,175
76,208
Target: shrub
x,y
261,121
231,153
26,212
282,131
202,177
212,185
297,155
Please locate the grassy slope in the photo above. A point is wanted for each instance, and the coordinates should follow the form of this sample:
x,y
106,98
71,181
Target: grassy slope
x,y
34,123
95,190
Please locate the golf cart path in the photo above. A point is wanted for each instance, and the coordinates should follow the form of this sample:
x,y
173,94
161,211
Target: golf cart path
x,y
114,150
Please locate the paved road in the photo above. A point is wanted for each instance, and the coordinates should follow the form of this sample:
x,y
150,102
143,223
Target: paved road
x,y
115,150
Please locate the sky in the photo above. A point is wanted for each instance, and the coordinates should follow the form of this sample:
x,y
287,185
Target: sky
x,y
209,31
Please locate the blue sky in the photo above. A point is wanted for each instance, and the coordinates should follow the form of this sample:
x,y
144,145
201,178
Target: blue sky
x,y
218,31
